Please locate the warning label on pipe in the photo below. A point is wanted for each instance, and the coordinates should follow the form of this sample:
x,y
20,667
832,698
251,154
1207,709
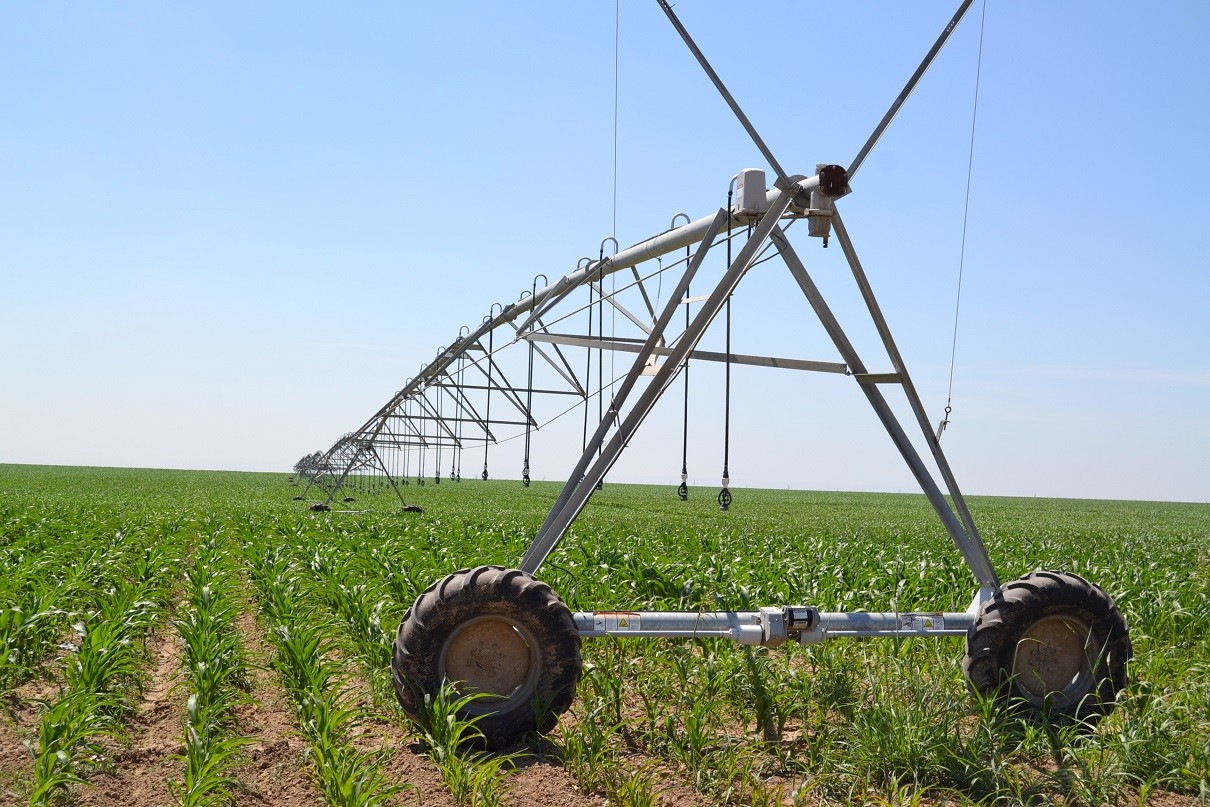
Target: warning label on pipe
x,y
614,621
921,622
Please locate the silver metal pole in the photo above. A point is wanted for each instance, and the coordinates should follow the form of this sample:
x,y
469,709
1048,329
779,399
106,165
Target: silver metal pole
x,y
559,519
634,346
782,179
739,626
909,388
975,554
654,247
770,626
549,535
907,89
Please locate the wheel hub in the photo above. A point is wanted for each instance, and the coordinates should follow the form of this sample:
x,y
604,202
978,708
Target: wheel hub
x,y
493,657
1054,660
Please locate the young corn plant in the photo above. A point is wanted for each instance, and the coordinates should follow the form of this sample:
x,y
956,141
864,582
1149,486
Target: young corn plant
x,y
70,726
473,777
210,751
99,670
589,749
632,788
356,602
346,776
218,671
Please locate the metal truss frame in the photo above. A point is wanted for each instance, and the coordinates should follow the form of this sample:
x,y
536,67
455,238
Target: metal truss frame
x,y
416,416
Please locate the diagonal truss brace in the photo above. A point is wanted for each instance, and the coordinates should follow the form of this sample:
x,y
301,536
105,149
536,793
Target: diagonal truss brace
x,y
583,481
599,456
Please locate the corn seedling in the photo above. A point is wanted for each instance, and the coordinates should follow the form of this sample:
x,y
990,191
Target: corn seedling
x,y
218,672
472,776
345,776
858,722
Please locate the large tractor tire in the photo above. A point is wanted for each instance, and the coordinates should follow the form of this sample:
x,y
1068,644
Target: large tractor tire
x,y
1050,645
493,632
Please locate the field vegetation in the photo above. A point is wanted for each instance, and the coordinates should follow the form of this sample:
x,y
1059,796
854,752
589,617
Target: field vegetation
x,y
200,605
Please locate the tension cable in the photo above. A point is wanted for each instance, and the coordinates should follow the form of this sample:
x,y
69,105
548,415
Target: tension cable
x,y
456,459
970,162
529,391
437,427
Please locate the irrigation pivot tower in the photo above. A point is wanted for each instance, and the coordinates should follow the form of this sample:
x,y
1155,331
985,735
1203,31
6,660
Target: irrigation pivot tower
x,y
1051,643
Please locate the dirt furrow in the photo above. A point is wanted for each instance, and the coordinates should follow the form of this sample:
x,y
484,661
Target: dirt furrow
x,y
143,765
542,780
276,773
19,725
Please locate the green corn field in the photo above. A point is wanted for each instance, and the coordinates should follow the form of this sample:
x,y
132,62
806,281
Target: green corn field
x,y
200,638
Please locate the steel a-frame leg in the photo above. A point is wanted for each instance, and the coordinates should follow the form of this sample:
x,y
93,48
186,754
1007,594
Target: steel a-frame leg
x,y
956,519
968,542
381,465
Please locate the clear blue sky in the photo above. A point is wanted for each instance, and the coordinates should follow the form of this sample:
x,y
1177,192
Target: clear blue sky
x,y
229,231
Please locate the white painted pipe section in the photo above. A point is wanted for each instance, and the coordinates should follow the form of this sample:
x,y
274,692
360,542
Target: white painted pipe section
x,y
770,626
738,626
654,247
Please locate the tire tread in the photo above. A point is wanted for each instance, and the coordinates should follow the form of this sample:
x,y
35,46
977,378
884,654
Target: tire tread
x,y
497,590
992,639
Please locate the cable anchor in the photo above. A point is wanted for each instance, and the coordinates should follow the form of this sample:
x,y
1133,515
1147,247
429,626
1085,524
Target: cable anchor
x,y
945,421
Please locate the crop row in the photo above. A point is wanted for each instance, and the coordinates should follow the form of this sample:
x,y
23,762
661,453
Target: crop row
x,y
311,672
103,663
838,722
217,672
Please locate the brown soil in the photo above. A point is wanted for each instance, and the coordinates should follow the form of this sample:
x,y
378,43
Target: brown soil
x,y
542,780
276,772
16,763
19,721
141,767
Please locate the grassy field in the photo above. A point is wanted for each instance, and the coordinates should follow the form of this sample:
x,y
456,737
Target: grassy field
x,y
200,638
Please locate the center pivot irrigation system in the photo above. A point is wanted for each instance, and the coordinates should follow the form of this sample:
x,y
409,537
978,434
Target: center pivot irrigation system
x,y
1050,643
